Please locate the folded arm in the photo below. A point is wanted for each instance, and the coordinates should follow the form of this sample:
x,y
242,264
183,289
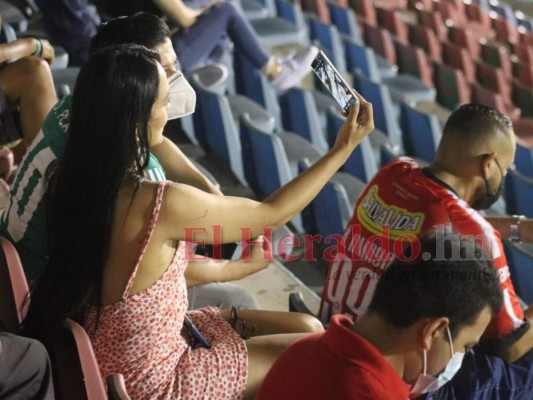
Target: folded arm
x,y
179,168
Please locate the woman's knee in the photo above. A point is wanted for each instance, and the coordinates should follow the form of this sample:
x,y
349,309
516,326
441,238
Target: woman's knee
x,y
224,9
25,76
35,69
307,322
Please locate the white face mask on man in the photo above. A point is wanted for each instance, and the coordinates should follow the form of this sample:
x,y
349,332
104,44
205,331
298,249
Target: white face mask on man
x,y
426,383
181,96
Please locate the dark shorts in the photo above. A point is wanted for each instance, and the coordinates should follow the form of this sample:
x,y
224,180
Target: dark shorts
x,y
486,377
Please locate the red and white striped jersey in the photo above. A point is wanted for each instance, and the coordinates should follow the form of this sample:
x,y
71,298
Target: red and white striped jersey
x,y
399,204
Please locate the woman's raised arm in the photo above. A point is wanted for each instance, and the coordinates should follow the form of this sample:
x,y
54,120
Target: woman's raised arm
x,y
187,211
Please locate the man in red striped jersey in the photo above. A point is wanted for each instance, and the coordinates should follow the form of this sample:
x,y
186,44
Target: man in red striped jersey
x,y
405,201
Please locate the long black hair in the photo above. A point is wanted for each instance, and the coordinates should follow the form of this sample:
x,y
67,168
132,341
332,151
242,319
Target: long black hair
x,y
107,146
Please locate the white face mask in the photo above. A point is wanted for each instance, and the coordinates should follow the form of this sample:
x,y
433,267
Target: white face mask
x,y
181,96
426,383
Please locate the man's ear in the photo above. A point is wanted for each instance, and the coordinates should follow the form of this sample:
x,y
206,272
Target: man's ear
x,y
431,329
486,163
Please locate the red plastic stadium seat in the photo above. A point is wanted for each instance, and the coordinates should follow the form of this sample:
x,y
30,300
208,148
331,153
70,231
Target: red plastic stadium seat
x,y
459,57
13,288
494,79
425,38
75,367
452,87
380,40
483,95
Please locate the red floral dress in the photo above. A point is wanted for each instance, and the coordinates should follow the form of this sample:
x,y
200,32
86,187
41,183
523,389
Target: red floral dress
x,y
141,338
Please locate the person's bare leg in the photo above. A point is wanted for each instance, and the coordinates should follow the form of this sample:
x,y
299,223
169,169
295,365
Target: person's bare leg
x,y
263,351
275,322
28,82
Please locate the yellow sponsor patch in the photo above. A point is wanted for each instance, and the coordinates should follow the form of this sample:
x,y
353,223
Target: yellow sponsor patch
x,y
374,214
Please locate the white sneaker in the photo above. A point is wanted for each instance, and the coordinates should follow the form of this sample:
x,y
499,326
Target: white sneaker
x,y
294,69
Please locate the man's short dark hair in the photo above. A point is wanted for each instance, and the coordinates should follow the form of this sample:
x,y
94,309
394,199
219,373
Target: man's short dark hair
x,y
453,279
476,119
142,28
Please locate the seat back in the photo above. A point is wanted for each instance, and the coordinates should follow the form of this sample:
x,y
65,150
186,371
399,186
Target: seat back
x,y
421,133
384,111
413,61
506,32
524,159
391,20
362,162
264,158
498,56
361,58
74,365
425,38
223,140
255,85
344,19
494,79
329,212
523,98
524,52
317,7
451,85
520,261
13,288
488,97
518,193
464,37
381,41
365,9
329,41
300,115
458,57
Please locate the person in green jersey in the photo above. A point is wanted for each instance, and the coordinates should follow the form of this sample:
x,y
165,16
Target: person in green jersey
x,y
24,221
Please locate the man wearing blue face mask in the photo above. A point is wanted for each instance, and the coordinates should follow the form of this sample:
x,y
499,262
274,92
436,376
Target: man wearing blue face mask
x,y
428,309
24,221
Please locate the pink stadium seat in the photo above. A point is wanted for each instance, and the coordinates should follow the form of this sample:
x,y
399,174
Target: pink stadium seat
x,y
450,14
494,79
380,40
317,7
523,128
452,87
75,367
13,288
425,38
464,37
525,37
505,31
392,21
524,52
498,56
477,13
523,73
365,11
523,98
483,95
420,5
435,21
6,163
412,60
459,58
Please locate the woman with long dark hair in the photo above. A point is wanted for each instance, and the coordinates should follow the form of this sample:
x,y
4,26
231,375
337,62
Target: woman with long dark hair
x,y
117,252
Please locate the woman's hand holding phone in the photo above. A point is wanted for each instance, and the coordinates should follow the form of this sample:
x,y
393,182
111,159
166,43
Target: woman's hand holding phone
x,y
359,123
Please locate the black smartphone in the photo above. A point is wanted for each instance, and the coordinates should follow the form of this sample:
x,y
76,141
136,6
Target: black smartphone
x,y
195,333
336,85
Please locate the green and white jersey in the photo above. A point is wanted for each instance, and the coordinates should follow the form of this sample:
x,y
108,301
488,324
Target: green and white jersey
x,y
24,221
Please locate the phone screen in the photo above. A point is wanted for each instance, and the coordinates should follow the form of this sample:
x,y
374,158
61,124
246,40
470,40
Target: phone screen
x,y
334,82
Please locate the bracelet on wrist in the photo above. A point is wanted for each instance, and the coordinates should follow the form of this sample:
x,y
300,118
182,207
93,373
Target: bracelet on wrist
x,y
38,48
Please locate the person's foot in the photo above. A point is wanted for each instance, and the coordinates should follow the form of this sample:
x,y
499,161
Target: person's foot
x,y
293,70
